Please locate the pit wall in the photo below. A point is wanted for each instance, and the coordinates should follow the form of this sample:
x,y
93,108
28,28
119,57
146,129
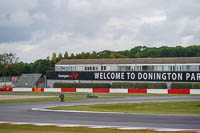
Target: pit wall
x,y
105,90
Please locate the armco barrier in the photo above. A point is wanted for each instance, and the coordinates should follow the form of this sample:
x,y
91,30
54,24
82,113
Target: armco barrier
x,y
178,91
137,90
68,89
118,90
194,91
101,90
22,89
106,90
157,91
5,89
90,90
52,90
38,89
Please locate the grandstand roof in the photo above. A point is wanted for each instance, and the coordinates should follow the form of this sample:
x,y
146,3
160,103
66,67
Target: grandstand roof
x,y
28,80
176,60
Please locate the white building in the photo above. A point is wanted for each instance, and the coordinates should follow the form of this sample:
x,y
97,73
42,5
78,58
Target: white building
x,y
130,64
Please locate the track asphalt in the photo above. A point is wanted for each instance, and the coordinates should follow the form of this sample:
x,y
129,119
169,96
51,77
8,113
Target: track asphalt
x,y
22,112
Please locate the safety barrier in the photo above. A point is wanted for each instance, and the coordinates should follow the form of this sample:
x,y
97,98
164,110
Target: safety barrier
x,y
52,89
178,91
101,90
118,90
6,89
22,89
68,89
90,90
137,90
105,90
157,91
38,89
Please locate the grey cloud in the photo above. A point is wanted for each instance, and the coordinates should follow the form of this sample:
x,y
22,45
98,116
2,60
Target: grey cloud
x,y
97,25
13,35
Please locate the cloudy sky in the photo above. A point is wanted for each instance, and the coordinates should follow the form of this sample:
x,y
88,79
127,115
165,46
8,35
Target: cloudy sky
x,y
34,29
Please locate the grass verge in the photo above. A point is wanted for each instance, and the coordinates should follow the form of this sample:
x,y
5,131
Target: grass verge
x,y
186,107
7,128
42,99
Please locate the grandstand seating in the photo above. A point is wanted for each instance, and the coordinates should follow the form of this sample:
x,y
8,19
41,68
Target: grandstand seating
x,y
28,80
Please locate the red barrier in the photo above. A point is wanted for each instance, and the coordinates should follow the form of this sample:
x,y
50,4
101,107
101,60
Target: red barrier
x,y
178,91
38,89
137,90
5,89
68,89
101,90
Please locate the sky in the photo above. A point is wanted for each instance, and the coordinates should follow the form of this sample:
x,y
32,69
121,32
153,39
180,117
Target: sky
x,y
34,29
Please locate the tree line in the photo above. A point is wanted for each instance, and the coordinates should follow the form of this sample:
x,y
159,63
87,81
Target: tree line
x,y
136,52
16,68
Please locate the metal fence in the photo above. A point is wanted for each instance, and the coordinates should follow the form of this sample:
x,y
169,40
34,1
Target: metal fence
x,y
5,79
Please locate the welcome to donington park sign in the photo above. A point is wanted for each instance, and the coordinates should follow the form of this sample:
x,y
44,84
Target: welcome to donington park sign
x,y
126,76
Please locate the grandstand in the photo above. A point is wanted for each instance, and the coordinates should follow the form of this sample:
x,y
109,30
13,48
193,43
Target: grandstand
x,y
30,80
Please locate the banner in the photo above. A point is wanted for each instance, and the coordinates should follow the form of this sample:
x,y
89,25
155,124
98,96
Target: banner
x,y
126,76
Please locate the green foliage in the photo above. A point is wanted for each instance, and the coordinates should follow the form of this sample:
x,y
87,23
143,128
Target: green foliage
x,y
66,56
82,85
54,58
185,86
196,86
181,85
72,56
141,52
139,85
60,57
7,63
41,66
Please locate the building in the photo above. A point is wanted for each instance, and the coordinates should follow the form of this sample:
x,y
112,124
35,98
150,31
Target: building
x,y
179,69
30,80
130,64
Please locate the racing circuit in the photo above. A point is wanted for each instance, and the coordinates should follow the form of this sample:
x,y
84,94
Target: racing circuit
x,y
34,113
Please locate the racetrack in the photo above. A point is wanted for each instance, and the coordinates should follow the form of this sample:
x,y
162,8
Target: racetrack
x,y
22,112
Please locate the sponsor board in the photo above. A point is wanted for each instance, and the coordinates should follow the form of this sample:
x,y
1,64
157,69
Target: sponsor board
x,y
126,76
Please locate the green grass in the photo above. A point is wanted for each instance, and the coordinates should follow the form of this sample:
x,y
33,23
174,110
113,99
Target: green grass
x,y
7,128
186,107
42,99
68,96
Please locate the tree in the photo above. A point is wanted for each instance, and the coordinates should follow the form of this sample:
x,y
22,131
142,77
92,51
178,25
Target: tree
x,y
134,51
104,54
54,57
7,60
72,56
48,58
94,55
66,56
60,57
41,66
